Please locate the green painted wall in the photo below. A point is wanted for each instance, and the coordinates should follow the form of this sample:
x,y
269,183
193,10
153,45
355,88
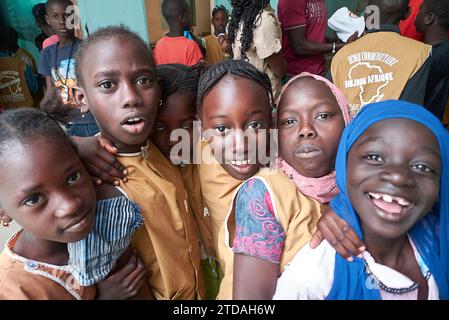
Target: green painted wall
x,y
112,12
17,14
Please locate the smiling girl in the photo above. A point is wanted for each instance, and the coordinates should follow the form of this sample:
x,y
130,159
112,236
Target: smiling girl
x,y
392,171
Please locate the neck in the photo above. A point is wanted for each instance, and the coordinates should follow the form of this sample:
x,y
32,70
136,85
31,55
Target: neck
x,y
123,148
385,251
41,250
176,31
435,36
216,33
66,40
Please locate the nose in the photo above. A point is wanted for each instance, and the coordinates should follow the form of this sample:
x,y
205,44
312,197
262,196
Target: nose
x,y
306,131
68,205
130,96
397,175
239,142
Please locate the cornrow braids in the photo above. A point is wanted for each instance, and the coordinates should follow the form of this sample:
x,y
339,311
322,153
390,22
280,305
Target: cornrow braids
x,y
246,12
239,68
219,8
179,78
104,34
26,125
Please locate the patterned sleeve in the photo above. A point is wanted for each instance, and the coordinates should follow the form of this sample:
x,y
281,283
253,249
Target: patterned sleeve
x,y
257,231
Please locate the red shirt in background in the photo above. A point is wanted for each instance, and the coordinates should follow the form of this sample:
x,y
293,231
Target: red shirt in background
x,y
177,50
311,14
408,26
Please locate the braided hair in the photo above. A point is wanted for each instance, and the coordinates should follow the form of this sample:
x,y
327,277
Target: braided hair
x,y
179,78
104,34
219,8
245,11
239,68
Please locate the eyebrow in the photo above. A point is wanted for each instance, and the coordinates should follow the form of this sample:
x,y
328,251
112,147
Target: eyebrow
x,y
370,139
251,113
31,189
115,73
218,116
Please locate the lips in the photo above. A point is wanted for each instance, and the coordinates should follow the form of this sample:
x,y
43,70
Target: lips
x,y
77,225
134,124
242,166
390,207
307,151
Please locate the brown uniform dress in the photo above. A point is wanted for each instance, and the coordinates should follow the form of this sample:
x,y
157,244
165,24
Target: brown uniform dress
x,y
23,279
168,243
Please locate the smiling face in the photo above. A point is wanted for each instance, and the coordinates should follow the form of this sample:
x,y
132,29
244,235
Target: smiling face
x,y
236,107
177,112
57,19
393,176
122,93
49,192
310,126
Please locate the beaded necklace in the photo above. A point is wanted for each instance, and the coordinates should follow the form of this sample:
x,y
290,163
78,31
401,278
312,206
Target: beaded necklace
x,y
388,289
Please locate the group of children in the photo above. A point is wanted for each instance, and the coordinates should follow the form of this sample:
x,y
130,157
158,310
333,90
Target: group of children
x,y
113,216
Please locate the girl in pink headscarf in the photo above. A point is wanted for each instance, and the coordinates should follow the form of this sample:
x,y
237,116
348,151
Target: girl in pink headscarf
x,y
312,113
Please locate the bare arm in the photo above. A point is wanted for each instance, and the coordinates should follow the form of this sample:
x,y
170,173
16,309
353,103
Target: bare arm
x,y
254,278
277,64
303,47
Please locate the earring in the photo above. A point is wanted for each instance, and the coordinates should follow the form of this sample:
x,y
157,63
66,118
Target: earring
x,y
160,102
204,139
5,223
83,112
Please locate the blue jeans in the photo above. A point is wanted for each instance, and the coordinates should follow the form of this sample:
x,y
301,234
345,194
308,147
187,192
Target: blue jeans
x,y
82,130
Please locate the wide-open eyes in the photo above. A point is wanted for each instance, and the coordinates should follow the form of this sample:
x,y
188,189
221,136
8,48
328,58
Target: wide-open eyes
x,y
375,158
107,85
73,178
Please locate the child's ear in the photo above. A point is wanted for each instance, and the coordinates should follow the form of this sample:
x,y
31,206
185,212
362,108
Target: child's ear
x,y
81,99
46,19
429,18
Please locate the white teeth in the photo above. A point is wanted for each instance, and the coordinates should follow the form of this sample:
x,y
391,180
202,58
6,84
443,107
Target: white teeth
x,y
403,202
239,163
389,199
375,195
134,120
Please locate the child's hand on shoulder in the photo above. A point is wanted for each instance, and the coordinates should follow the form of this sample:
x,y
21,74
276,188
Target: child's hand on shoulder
x,y
339,235
99,157
125,283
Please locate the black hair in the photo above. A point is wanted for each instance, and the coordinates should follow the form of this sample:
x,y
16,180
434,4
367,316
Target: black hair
x,y
219,8
179,78
39,13
52,2
440,8
172,8
26,125
245,11
103,34
239,68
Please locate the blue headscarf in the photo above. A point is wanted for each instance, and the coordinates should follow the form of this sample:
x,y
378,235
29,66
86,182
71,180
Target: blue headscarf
x,y
431,240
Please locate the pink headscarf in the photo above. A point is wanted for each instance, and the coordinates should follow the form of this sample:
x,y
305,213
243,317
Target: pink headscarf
x,y
325,188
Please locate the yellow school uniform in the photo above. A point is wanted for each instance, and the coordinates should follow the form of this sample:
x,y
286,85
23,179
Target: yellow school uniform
x,y
297,214
168,243
214,52
14,91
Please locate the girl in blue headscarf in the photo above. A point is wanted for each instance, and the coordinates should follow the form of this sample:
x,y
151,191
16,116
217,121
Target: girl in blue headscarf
x,y
392,170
